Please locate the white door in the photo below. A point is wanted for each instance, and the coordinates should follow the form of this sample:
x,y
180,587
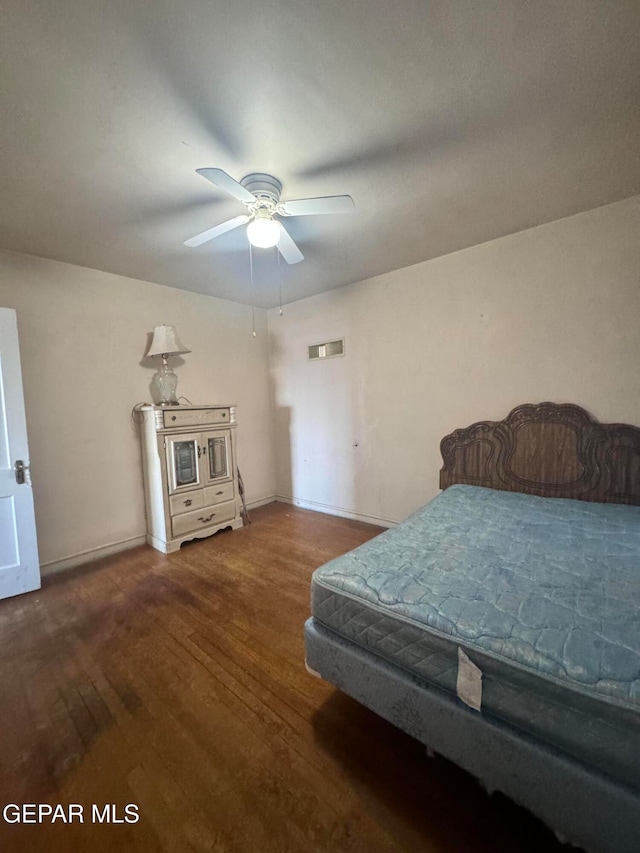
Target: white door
x,y
19,565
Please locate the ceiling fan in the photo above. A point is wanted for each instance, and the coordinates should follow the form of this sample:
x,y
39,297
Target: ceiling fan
x,y
261,195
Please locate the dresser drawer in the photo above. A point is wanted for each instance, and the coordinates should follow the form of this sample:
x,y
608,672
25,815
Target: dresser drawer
x,y
219,494
196,417
186,502
209,516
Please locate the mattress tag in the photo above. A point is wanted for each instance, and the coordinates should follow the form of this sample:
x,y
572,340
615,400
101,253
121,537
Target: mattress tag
x,y
469,685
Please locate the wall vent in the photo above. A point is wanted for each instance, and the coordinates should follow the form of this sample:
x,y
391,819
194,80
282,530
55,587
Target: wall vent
x,y
329,349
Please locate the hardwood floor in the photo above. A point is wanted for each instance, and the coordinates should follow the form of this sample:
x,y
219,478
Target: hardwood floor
x,y
177,683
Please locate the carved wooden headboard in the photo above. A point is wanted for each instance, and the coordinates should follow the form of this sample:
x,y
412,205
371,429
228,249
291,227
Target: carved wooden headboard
x,y
549,449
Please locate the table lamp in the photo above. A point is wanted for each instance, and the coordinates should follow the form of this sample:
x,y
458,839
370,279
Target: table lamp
x,y
165,342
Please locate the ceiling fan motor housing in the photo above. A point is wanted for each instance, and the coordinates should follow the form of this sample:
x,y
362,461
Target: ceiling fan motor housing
x,y
264,187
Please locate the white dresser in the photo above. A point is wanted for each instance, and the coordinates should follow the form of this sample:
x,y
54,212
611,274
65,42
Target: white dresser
x,y
190,472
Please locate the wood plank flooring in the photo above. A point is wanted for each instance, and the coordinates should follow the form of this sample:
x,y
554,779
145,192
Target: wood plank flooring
x,y
177,683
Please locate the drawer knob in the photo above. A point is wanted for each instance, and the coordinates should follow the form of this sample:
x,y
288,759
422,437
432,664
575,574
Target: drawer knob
x,y
220,492
173,417
188,503
208,518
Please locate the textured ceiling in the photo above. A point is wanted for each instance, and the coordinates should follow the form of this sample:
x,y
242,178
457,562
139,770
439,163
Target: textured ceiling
x,y
449,123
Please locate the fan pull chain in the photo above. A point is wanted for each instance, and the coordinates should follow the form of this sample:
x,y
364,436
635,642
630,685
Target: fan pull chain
x,y
279,281
253,295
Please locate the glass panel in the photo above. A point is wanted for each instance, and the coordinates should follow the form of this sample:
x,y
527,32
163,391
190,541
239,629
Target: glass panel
x,y
185,462
218,458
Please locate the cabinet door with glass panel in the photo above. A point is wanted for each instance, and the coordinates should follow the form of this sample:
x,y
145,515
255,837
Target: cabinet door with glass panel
x,y
217,463
184,453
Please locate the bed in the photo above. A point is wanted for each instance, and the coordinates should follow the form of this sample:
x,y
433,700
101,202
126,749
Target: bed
x,y
500,624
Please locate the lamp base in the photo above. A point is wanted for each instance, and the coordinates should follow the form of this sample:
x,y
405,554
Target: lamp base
x,y
164,383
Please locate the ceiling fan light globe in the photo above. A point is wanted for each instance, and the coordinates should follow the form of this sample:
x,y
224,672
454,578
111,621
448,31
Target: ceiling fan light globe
x,y
264,233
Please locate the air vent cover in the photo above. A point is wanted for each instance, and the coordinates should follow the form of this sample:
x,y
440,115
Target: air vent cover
x,y
329,349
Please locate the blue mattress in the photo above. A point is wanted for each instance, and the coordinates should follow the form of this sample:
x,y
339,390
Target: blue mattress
x,y
542,594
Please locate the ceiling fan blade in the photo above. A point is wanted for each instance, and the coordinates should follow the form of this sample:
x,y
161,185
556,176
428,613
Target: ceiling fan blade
x,y
288,249
216,231
227,183
314,206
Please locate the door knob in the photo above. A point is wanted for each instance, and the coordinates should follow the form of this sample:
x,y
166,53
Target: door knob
x,y
20,468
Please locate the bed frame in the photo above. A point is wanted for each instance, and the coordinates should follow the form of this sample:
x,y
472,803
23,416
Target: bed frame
x,y
550,450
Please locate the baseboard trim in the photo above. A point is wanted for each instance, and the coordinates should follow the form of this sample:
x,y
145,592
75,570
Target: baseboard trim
x,y
88,556
261,502
329,509
53,566
74,560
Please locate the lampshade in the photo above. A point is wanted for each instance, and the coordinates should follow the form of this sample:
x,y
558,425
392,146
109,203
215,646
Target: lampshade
x,y
263,232
166,342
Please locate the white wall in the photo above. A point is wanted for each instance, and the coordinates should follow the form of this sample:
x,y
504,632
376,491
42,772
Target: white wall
x,y
82,336
552,313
